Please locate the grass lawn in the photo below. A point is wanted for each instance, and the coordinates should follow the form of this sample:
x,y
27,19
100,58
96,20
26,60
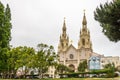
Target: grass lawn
x,y
69,79
86,79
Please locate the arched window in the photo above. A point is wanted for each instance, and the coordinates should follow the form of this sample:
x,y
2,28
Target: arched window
x,y
83,41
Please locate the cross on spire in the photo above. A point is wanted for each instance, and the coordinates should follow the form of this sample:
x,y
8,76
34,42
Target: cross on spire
x,y
64,18
84,10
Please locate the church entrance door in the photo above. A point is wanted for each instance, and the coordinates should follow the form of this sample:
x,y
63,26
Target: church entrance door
x,y
72,67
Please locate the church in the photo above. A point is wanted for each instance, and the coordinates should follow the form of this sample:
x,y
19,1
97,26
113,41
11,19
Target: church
x,y
71,56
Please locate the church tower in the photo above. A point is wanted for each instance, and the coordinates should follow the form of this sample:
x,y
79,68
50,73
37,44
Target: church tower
x,y
84,41
64,39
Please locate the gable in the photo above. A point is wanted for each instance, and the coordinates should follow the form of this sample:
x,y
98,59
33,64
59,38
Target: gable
x,y
71,48
71,53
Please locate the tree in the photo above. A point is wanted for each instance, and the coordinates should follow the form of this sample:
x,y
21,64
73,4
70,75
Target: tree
x,y
5,36
25,59
20,57
82,66
13,55
108,15
62,69
111,69
44,58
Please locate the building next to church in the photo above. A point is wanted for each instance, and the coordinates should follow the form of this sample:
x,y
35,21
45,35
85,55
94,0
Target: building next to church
x,y
110,59
71,56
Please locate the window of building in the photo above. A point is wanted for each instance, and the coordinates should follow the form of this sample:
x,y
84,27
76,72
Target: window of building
x,y
102,61
71,56
83,41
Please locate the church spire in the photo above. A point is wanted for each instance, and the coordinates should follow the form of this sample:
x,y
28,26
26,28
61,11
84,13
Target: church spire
x,y
64,39
84,41
64,25
84,22
64,29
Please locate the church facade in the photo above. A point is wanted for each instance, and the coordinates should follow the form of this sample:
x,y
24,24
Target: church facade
x,y
68,54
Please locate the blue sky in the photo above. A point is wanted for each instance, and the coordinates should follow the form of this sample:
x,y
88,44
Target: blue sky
x,y
40,21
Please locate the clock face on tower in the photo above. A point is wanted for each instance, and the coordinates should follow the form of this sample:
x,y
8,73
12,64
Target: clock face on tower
x,y
71,56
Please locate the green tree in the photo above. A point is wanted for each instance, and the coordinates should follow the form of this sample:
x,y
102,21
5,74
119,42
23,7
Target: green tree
x,y
5,36
20,57
111,69
108,15
44,58
25,59
11,61
62,69
82,66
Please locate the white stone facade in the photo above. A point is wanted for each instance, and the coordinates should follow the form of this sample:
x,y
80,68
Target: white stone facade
x,y
110,59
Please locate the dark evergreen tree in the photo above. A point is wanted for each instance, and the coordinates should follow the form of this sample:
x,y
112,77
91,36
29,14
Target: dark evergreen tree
x,y
82,66
108,15
1,35
5,36
8,27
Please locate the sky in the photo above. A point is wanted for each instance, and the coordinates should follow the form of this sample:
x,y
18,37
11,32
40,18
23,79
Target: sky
x,y
41,21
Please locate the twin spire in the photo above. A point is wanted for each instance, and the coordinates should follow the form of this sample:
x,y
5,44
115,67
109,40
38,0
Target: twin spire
x,y
84,22
84,41
64,25
64,39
